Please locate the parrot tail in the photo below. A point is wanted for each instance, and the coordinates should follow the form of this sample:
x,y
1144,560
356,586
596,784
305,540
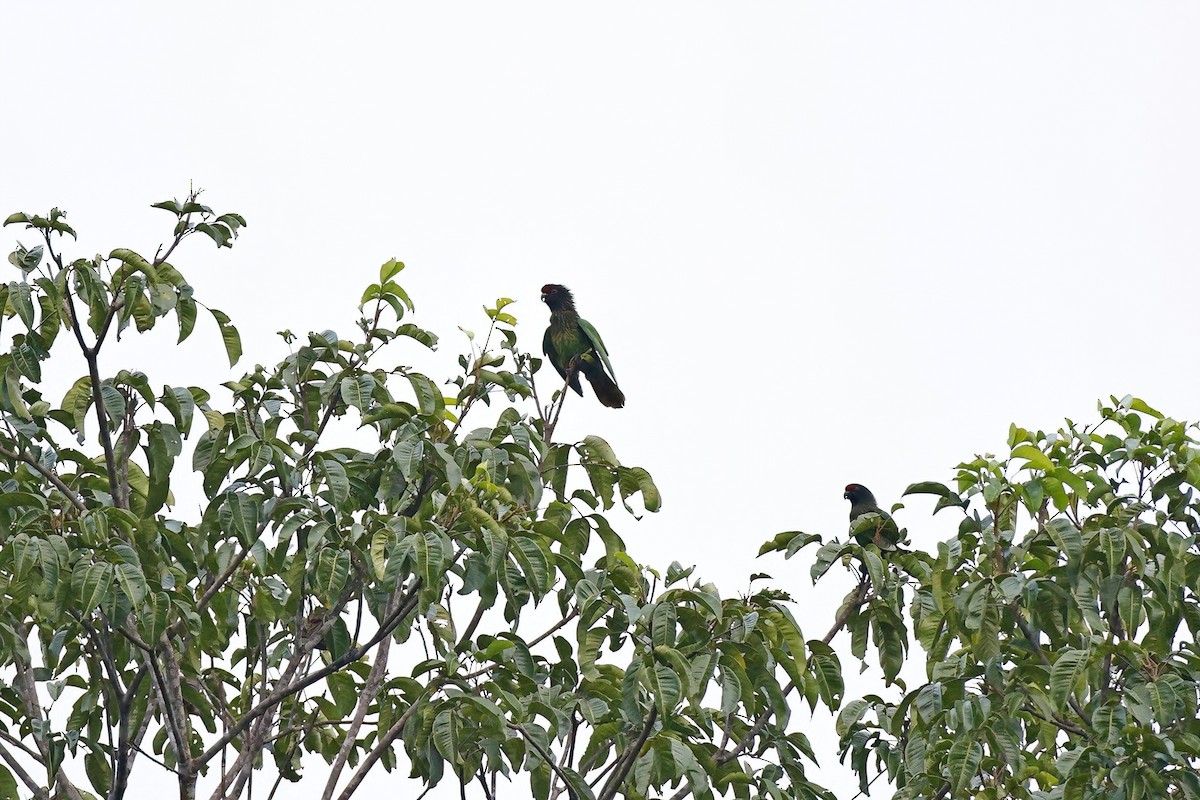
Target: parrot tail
x,y
607,392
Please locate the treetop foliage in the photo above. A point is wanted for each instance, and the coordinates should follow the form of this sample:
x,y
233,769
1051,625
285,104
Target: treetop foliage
x,y
457,602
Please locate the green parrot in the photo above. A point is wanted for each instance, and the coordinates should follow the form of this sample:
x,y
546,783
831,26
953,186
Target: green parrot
x,y
572,338
876,526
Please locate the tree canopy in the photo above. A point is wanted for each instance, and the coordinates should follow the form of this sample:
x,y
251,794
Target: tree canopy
x,y
1059,625
455,600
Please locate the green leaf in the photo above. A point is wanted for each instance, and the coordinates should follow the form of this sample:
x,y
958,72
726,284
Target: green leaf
x,y
1137,404
336,479
829,553
162,445
595,449
357,389
554,468
1130,605
26,260
380,541
963,763
731,691
186,310
91,585
220,234
1113,541
330,574
130,577
26,359
229,335
662,625
8,784
429,398
131,262
390,269
421,335
447,734
850,715
932,487
178,401
635,479
826,669
169,205
240,516
431,557
1066,536
114,403
22,302
665,687
345,692
535,565
1036,457
1067,675
12,393
1108,722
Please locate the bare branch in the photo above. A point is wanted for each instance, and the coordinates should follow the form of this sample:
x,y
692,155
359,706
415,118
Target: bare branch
x,y
369,692
381,746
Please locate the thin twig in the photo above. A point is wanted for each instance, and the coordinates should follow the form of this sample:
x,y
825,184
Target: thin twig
x,y
625,762
547,757
567,759
572,372
46,473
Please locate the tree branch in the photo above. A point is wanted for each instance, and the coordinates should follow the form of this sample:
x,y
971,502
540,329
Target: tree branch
x,y
33,786
547,757
46,473
1028,633
282,693
89,355
625,762
369,692
27,690
382,746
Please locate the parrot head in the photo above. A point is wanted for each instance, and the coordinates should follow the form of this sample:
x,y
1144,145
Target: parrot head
x,y
556,296
860,497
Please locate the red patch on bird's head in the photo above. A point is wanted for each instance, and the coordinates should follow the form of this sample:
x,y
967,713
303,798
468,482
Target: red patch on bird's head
x,y
850,487
555,295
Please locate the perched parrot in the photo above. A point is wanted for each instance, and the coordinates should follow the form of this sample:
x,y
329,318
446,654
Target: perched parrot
x,y
879,530
571,337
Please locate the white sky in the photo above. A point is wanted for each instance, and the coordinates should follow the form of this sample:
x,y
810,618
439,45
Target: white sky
x,y
824,242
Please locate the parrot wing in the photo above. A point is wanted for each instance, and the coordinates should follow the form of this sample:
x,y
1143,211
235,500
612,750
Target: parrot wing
x,y
593,336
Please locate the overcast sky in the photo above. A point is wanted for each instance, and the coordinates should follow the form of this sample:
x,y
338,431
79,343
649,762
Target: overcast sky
x,y
824,243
